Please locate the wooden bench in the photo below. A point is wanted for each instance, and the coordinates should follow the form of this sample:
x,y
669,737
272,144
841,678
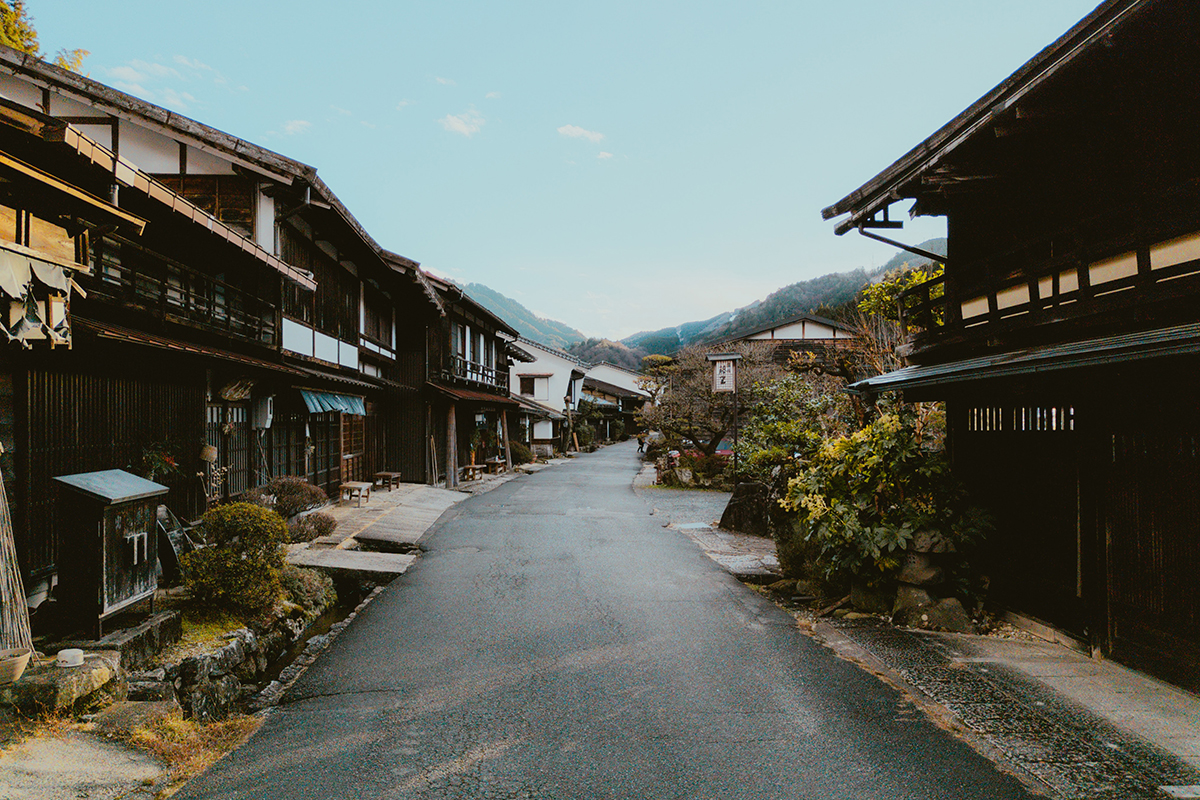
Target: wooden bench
x,y
495,465
471,472
356,490
388,479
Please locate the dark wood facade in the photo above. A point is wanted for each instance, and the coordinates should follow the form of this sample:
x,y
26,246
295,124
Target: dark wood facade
x,y
1065,334
191,337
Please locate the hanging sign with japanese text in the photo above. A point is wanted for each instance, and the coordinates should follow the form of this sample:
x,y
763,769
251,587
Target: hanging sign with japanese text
x,y
724,376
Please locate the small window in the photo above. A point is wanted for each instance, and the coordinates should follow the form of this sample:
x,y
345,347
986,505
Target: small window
x,y
527,385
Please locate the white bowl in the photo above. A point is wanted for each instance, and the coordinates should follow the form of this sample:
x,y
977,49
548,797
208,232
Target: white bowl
x,y
70,658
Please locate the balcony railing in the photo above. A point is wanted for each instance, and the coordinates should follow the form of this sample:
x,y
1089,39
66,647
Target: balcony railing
x,y
133,276
1067,288
459,368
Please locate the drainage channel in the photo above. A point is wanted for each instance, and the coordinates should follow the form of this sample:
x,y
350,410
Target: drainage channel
x,y
316,638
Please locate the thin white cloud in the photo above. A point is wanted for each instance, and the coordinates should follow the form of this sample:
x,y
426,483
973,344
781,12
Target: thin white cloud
x,y
492,95
366,124
604,154
192,63
467,123
446,81
176,99
344,112
295,126
402,104
135,89
576,132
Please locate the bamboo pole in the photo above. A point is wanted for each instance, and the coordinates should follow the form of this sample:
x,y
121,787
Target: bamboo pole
x,y
14,613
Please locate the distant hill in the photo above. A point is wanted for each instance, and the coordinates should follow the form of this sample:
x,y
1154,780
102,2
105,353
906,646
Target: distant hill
x,y
541,330
820,295
595,351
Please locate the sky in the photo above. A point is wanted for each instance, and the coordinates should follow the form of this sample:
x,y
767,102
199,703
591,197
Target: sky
x,y
617,166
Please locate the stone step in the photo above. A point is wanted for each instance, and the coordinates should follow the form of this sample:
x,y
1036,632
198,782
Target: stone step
x,y
357,563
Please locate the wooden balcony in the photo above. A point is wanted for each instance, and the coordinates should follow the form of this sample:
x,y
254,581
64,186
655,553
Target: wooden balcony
x,y
132,276
1156,282
459,369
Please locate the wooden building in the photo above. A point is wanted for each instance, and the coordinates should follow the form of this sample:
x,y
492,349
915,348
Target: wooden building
x,y
223,303
470,354
804,333
1065,334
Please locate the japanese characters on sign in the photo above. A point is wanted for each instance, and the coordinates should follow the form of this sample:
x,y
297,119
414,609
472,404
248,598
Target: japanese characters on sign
x,y
724,376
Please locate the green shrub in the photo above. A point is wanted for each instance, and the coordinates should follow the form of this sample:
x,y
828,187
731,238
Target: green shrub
x,y
311,526
240,567
311,590
585,433
861,499
520,453
287,495
617,430
703,466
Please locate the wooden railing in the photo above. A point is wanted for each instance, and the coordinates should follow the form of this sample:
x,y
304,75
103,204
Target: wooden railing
x,y
459,368
1058,289
128,274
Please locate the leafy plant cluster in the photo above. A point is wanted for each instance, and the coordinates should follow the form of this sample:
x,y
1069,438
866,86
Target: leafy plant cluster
x,y
240,568
860,499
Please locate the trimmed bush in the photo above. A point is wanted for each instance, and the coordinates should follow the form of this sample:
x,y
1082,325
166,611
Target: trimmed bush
x,y
240,568
311,526
520,453
311,590
287,495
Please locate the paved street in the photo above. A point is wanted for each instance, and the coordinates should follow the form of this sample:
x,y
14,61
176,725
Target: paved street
x,y
555,641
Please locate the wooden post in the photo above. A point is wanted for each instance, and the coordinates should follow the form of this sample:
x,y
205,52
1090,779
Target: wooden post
x,y
451,450
504,430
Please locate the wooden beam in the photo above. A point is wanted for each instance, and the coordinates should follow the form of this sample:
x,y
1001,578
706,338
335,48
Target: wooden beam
x,y
504,430
109,211
451,450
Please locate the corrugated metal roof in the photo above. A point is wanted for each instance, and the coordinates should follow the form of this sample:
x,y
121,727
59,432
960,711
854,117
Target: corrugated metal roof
x,y
1161,343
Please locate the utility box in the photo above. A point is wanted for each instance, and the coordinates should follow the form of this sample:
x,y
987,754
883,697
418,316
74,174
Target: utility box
x,y
107,542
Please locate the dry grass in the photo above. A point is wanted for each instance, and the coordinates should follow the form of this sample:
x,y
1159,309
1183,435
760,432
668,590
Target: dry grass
x,y
189,747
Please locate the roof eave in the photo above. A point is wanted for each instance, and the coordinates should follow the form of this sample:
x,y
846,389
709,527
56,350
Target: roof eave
x,y
885,188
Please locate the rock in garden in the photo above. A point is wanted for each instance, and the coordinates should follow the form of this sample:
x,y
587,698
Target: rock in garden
x,y
871,599
910,597
747,509
918,571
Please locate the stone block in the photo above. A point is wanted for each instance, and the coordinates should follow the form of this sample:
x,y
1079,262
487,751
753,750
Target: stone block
x,y
910,597
747,509
947,614
918,570
138,645
46,687
871,599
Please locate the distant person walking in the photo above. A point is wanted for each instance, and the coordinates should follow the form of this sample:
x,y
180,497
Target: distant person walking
x,y
641,442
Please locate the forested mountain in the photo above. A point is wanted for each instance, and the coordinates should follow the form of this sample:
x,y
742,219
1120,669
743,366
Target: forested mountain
x,y
596,351
541,330
828,295
820,296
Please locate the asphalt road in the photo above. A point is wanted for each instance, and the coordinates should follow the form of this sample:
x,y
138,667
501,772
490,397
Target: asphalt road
x,y
556,641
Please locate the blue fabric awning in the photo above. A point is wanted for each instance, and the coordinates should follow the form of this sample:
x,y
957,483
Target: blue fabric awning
x,y
326,401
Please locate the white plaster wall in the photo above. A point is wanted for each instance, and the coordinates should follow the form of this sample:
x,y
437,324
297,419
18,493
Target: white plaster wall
x,y
560,375
543,429
264,221
348,355
202,163
151,151
325,347
19,91
297,337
